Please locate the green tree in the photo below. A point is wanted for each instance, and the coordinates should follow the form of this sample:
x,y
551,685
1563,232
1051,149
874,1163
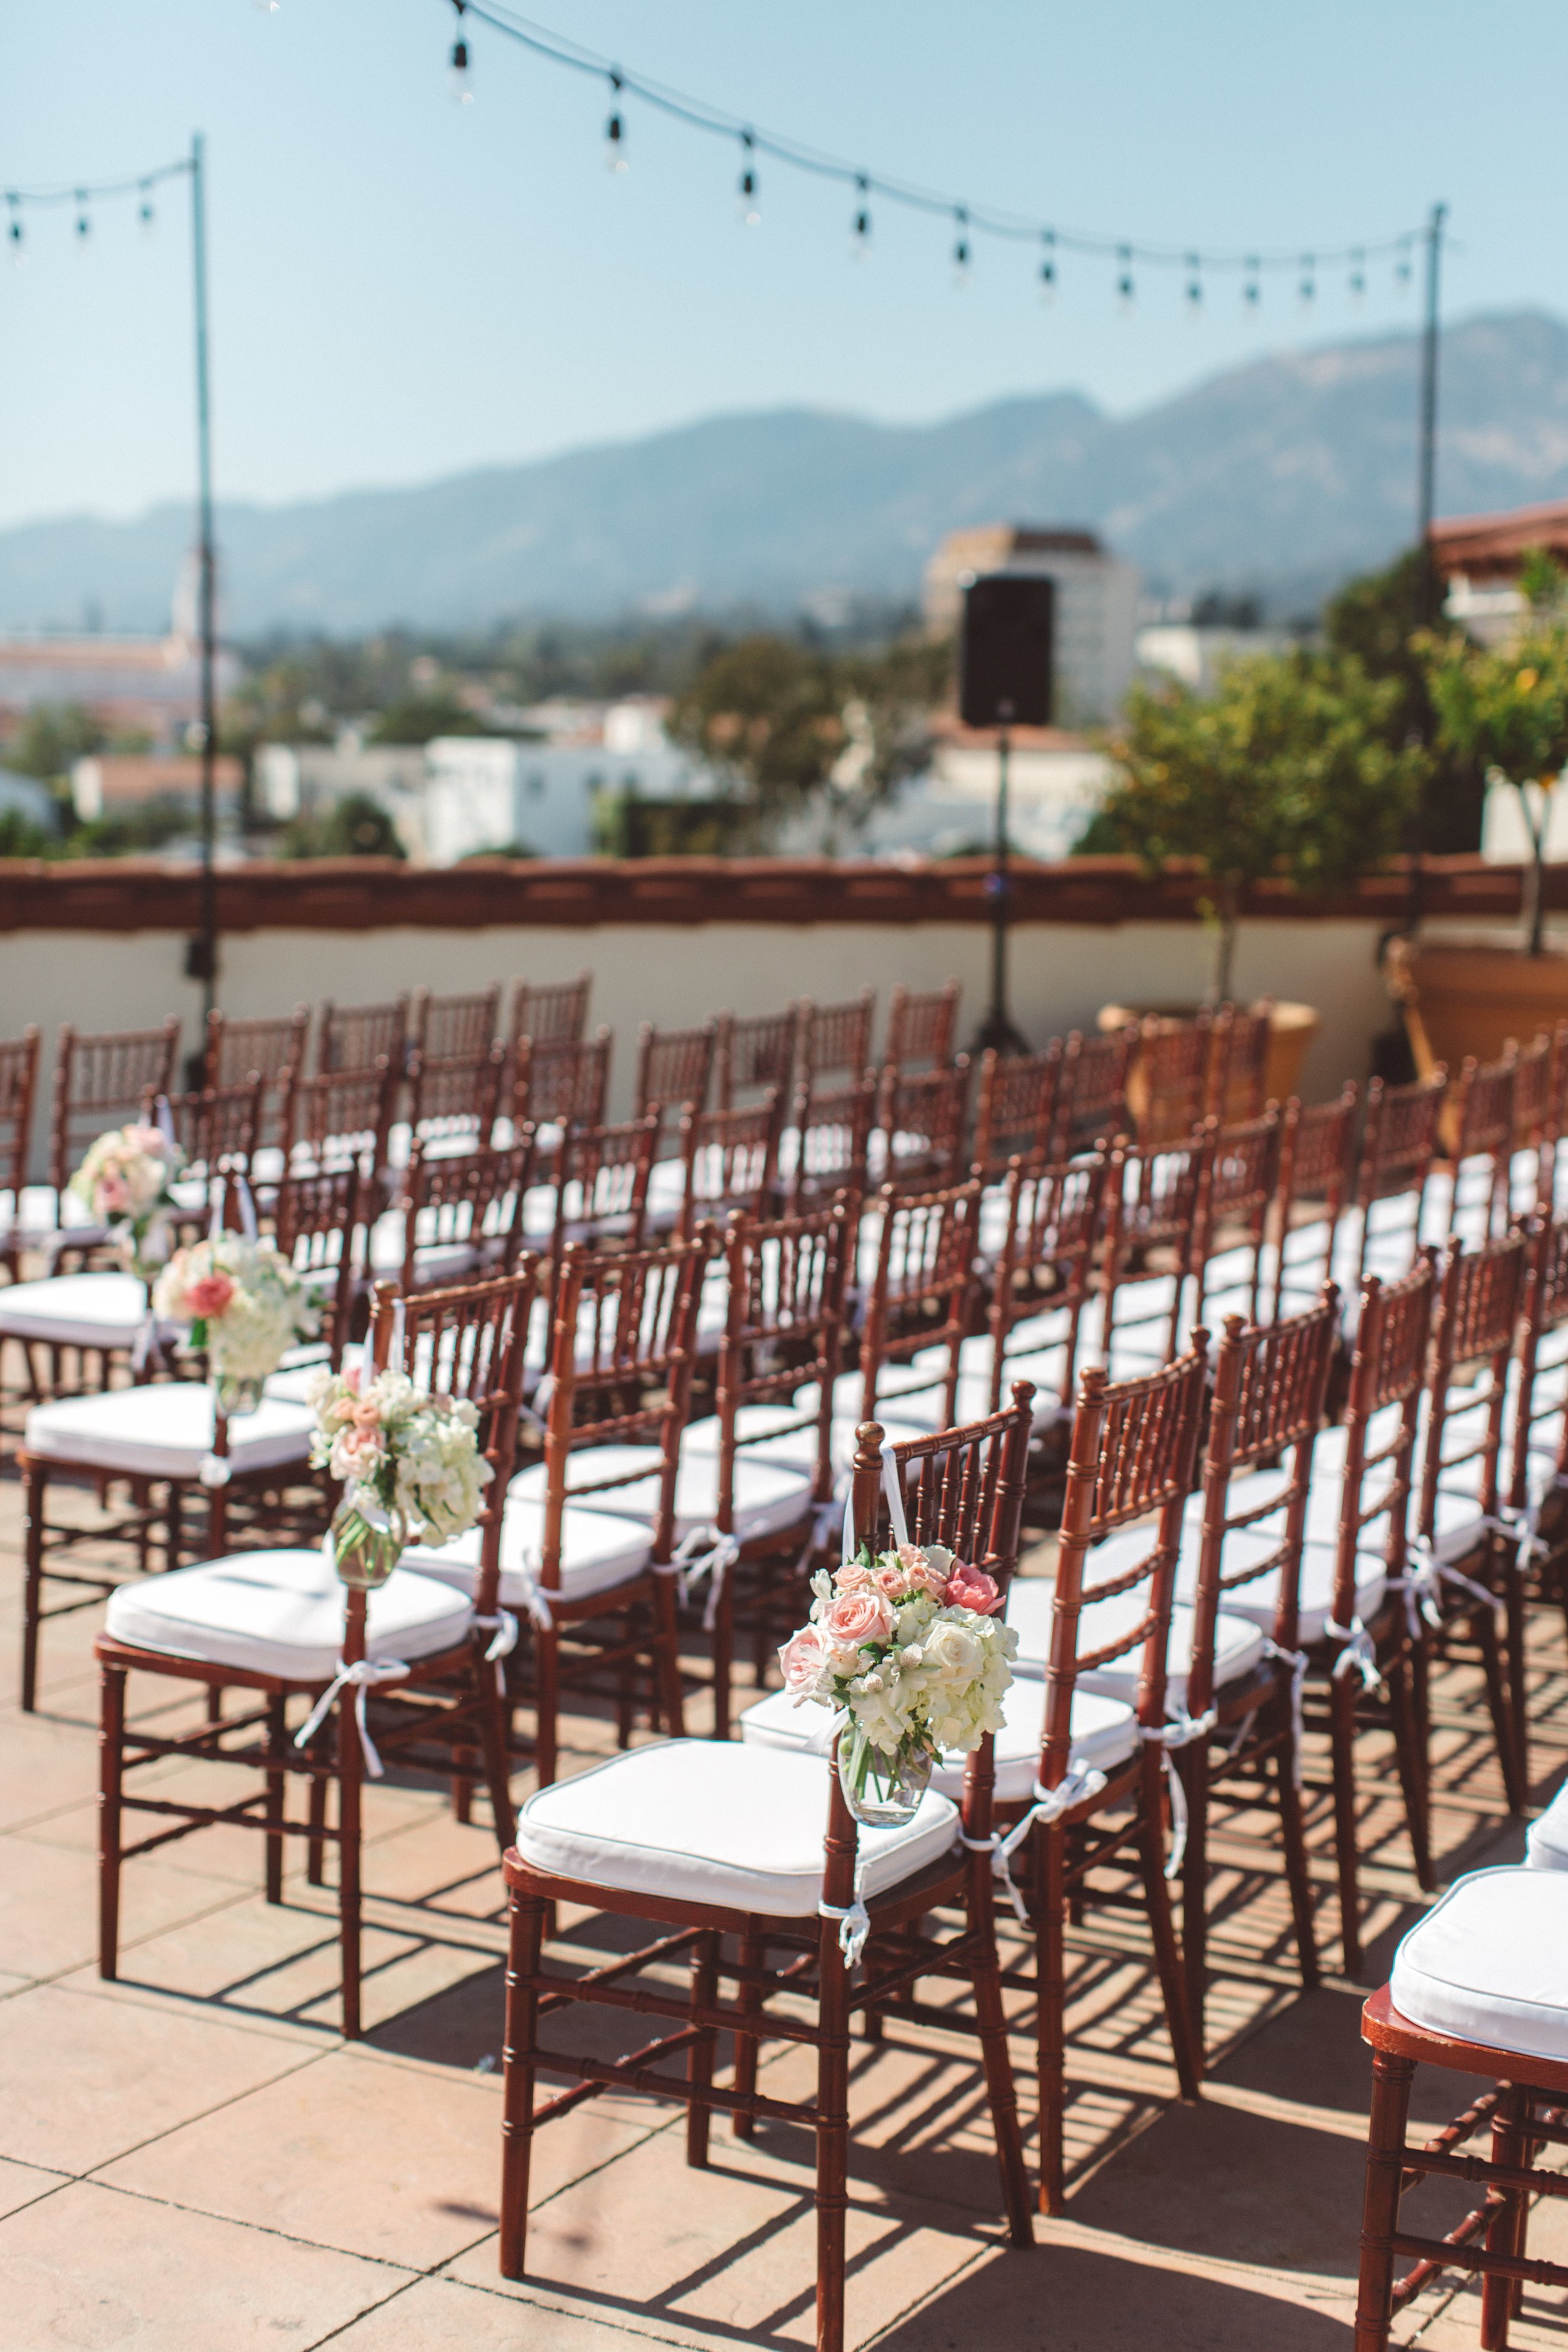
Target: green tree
x,y
355,826
417,718
51,738
1508,709
1286,769
1380,620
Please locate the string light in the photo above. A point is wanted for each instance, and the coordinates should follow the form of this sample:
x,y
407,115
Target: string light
x,y
1252,290
750,211
1048,266
1124,282
144,209
14,232
1309,286
83,224
462,91
615,130
1195,285
860,241
961,246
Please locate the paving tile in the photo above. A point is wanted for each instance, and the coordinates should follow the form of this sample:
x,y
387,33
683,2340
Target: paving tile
x,y
49,1921
363,2153
45,1766
82,2080
91,2270
439,2316
20,2184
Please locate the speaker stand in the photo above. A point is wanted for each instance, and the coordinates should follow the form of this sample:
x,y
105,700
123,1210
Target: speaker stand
x,y
996,1030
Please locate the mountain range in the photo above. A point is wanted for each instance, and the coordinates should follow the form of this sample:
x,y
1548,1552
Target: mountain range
x,y
1277,479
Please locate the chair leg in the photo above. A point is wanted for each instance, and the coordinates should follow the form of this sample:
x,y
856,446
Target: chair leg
x,y
723,1654
351,1766
32,1596
666,1658
316,1844
1342,1728
277,1731
1295,1842
1506,2229
999,2084
748,1997
1192,1764
111,1768
1412,1750
492,1736
1391,2081
832,2137
546,1702
1050,2004
1157,1895
527,1932
1516,1624
699,2057
1499,1707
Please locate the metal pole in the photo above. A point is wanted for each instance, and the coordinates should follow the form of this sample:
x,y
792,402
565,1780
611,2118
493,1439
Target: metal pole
x,y
202,962
1428,477
996,1029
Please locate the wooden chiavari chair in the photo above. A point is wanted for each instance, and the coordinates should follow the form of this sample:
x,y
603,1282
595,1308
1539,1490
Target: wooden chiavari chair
x,y
101,1082
730,1160
675,1066
1241,1192
1315,1148
455,1101
754,1054
280,1624
1538,1449
553,1016
1464,1568
1235,1087
921,1032
1399,1143
463,1214
1042,1279
271,1046
1154,1218
1363,1483
720,1841
18,1091
341,1115
361,1036
835,1039
1170,1079
1533,1102
828,1149
600,1178
1132,1455
561,1082
320,1223
924,1122
455,1028
1015,1111
1270,1382
218,1129
1477,1132
1093,1097
918,1304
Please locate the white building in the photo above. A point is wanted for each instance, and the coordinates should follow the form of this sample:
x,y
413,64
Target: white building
x,y
1096,606
1197,653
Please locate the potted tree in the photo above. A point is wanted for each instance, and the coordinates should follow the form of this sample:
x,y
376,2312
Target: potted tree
x,y
1288,768
1507,708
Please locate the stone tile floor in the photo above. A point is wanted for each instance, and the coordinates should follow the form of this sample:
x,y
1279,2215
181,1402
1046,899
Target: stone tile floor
x,y
192,2160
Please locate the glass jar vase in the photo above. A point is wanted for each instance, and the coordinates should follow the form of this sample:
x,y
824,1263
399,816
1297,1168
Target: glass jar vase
x,y
882,1791
368,1539
235,1395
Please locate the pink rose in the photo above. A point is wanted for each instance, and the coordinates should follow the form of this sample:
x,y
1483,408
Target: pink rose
x,y
971,1587
112,1192
208,1295
890,1581
857,1617
854,1577
919,1573
801,1660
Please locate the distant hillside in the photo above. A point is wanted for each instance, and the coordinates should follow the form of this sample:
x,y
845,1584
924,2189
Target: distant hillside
x,y
1279,478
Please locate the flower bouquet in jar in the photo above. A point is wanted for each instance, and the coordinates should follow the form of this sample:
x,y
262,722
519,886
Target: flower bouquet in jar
x,y
910,1648
124,1181
409,1461
245,1306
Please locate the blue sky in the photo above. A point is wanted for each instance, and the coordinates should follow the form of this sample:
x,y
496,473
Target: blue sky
x,y
403,288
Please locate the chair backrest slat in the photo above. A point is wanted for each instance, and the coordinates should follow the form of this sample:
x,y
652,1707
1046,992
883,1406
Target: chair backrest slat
x,y
757,1052
922,1028
923,1126
555,1014
785,1326
468,1199
835,1039
455,1028
561,1082
923,1287
1093,1090
1056,1217
1016,1110
731,1160
18,1094
359,1036
100,1081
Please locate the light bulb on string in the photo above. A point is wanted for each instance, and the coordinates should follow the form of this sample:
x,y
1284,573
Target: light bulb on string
x,y
462,89
1195,286
144,209
1124,286
1402,269
83,223
750,209
615,130
1309,285
1252,287
861,236
1358,275
1048,266
14,231
961,246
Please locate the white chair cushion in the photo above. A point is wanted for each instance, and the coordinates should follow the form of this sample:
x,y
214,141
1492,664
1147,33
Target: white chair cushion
x,y
705,1821
1238,1646
758,1429
1486,1963
1104,1732
598,1552
165,1431
768,1495
76,1310
1546,1848
282,1613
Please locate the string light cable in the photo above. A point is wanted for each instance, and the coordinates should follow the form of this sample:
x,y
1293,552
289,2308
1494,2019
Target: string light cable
x,y
20,201
971,220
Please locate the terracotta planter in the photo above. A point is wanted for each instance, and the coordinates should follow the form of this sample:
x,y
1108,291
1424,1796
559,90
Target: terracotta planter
x,y
1459,998
1291,1029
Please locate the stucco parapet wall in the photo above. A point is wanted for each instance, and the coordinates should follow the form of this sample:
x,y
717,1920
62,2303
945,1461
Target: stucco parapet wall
x,y
376,894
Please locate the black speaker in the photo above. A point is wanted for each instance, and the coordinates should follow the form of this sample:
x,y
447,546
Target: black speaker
x,y
1006,658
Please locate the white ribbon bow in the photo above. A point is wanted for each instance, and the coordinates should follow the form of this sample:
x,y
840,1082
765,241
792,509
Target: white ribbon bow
x,y
1422,1586
1180,1732
361,1677
892,1486
216,1470
703,1552
1079,1782
504,1627
1358,1651
854,1920
1297,1662
535,1599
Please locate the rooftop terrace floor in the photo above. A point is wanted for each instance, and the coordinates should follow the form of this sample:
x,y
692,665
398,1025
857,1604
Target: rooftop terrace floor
x,y
192,2159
